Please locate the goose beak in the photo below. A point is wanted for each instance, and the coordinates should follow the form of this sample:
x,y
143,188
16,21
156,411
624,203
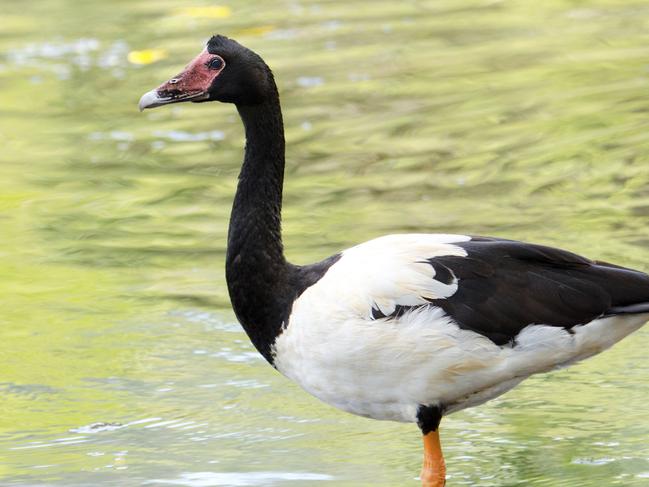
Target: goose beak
x,y
192,84
151,99
163,96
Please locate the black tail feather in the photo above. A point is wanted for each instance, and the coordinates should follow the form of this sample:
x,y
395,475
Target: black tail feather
x,y
630,309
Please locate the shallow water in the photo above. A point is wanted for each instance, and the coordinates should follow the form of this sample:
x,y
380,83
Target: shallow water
x,y
121,361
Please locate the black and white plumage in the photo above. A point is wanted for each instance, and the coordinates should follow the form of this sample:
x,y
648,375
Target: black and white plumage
x,y
450,321
403,327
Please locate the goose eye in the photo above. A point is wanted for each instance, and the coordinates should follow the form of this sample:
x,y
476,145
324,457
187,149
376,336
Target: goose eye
x,y
216,63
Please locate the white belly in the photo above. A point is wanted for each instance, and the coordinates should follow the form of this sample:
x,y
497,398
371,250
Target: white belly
x,y
385,369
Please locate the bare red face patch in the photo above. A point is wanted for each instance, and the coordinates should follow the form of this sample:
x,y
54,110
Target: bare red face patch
x,y
195,79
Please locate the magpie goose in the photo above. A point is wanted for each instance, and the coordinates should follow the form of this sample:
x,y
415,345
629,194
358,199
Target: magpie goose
x,y
404,327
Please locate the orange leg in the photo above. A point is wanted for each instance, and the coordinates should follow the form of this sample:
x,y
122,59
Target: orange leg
x,y
433,471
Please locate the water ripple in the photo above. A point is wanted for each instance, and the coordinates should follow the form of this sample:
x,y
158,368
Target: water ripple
x,y
238,479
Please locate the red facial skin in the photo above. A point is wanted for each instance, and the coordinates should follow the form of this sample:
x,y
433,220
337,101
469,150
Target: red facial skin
x,y
194,80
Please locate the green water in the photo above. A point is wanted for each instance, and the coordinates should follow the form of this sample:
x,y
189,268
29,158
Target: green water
x,y
121,362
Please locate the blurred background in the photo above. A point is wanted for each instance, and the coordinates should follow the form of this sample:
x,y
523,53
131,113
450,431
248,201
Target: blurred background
x,y
121,361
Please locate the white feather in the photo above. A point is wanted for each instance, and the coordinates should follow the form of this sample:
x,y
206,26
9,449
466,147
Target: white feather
x,y
392,270
386,368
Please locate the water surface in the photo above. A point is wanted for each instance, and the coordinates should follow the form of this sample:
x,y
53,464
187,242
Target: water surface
x,y
122,363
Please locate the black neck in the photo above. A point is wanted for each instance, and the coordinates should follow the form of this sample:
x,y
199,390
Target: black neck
x,y
256,270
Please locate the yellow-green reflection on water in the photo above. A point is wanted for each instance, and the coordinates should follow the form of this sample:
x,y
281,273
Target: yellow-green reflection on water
x,y
121,362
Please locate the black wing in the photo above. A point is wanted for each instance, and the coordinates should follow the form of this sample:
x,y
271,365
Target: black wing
x,y
505,286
